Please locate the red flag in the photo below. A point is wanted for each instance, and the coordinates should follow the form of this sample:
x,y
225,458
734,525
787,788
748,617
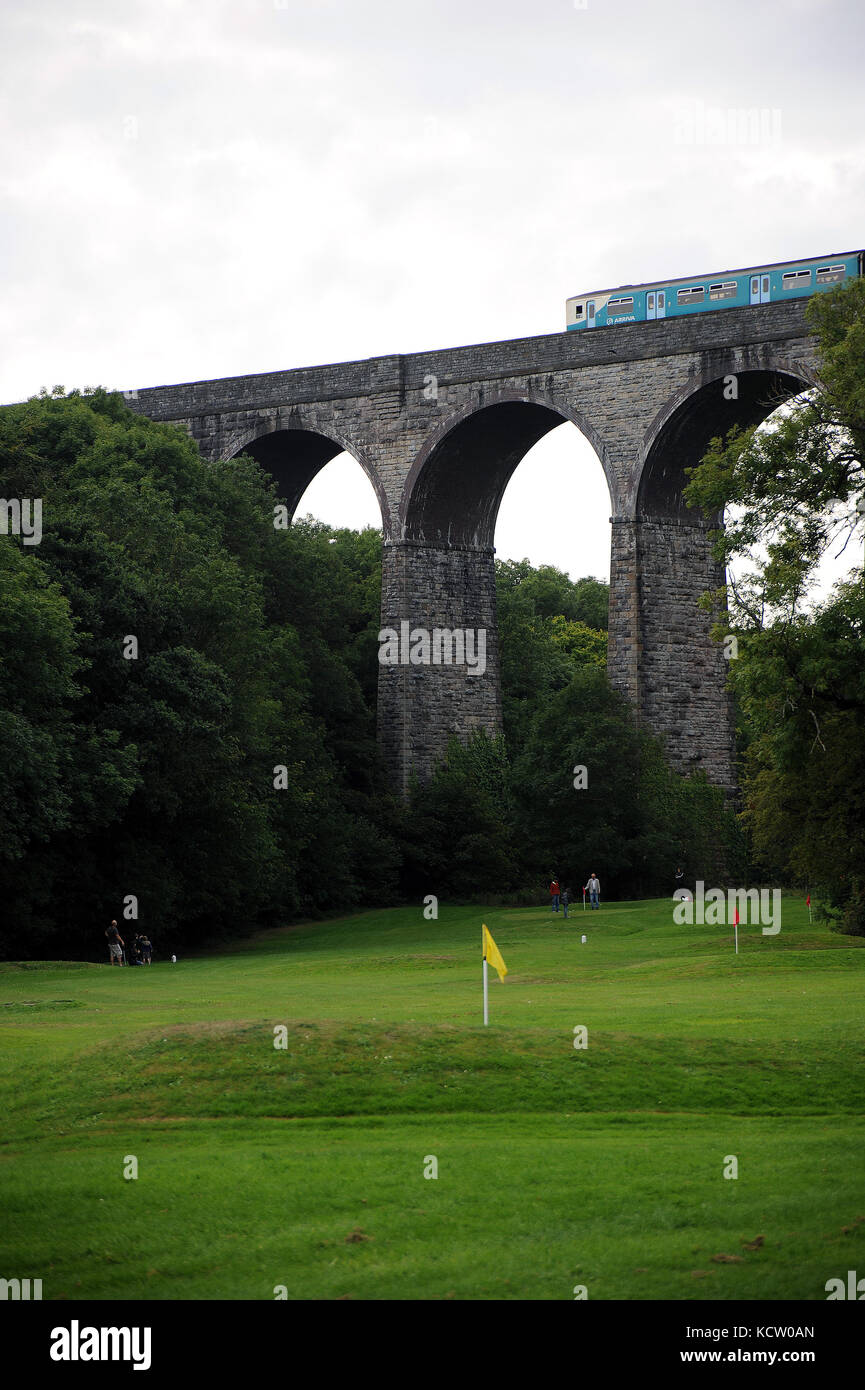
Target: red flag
x,y
736,918
808,900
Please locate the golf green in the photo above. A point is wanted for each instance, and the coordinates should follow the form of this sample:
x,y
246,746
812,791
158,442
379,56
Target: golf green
x,y
321,1114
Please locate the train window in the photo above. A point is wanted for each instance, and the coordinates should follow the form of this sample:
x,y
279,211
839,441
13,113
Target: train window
x,y
794,279
830,274
624,304
578,311
694,294
724,289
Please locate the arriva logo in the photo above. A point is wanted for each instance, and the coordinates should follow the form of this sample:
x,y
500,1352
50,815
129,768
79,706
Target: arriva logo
x,y
835,1288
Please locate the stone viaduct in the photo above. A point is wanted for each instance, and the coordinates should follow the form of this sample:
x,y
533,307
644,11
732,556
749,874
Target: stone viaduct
x,y
439,434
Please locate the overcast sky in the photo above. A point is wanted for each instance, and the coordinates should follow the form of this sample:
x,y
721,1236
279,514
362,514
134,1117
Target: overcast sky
x,y
202,188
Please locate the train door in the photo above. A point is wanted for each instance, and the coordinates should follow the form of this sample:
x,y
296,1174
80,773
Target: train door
x,y
590,314
760,291
650,304
661,303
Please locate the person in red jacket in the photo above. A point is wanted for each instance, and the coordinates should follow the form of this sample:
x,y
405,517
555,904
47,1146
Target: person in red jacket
x,y
554,894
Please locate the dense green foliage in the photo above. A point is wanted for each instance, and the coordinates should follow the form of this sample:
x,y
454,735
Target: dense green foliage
x,y
224,772
572,787
797,490
154,776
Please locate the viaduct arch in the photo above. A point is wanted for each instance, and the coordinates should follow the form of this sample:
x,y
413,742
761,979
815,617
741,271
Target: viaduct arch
x,y
439,434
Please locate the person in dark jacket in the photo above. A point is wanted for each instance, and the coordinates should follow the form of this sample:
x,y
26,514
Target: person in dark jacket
x,y
115,944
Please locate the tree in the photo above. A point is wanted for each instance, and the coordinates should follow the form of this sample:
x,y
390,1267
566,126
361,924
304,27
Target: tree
x,y
798,485
628,815
544,636
459,829
186,649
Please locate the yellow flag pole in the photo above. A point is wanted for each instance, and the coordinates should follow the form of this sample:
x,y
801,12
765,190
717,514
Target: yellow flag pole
x,y
486,987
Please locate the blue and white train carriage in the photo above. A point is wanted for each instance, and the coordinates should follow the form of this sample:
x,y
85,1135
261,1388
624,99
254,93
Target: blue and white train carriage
x,y
727,289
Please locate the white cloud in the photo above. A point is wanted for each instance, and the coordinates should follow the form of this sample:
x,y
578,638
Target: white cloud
x,y
192,190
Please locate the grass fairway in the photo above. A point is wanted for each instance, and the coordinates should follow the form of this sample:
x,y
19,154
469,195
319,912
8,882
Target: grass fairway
x,y
303,1166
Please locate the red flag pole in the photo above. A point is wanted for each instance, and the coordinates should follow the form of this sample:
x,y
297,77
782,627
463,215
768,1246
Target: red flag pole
x,y
736,929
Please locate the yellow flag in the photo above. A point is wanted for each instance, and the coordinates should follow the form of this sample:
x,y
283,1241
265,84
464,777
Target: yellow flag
x,y
493,954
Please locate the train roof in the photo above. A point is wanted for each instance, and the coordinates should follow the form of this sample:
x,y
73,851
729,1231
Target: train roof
x,y
717,274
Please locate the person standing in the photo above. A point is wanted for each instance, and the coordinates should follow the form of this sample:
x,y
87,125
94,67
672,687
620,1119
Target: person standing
x,y
565,900
554,894
115,944
593,887
146,950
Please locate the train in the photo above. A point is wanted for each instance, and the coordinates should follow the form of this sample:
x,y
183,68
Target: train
x,y
725,289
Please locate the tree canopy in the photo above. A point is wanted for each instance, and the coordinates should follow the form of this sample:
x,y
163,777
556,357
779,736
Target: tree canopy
x,y
188,714
163,655
795,492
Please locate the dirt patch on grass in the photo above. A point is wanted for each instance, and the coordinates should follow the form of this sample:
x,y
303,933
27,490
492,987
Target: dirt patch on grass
x,y
11,965
207,1029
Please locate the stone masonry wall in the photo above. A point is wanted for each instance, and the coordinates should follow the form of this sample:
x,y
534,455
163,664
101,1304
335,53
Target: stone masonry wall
x,y
621,386
624,629
683,672
421,706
